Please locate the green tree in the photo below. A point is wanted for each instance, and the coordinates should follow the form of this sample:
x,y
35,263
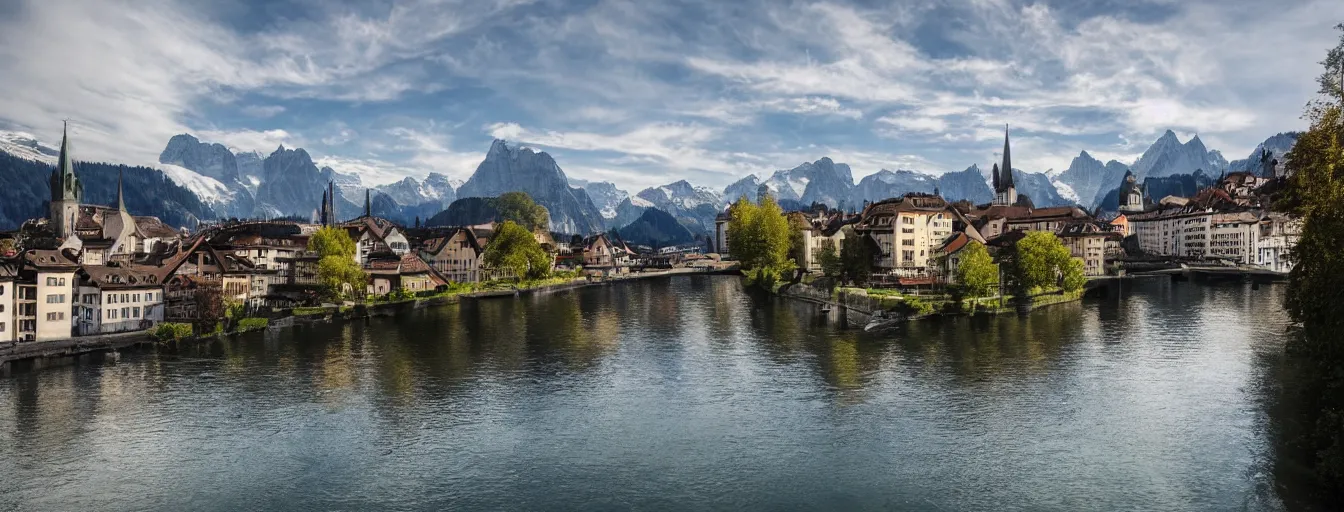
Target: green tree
x,y
829,259
856,257
519,208
1073,276
977,273
337,270
515,249
1315,294
1038,261
759,238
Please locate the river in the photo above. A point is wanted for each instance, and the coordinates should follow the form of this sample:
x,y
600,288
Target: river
x,y
673,394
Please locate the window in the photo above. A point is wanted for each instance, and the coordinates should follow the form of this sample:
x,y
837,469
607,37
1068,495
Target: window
x,y
55,316
2,291
62,281
51,281
111,314
135,312
2,327
56,298
125,312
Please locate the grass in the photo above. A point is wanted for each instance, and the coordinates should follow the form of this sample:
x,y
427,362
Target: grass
x,y
309,311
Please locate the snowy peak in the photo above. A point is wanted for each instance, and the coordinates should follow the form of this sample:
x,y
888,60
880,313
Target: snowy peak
x,y
1168,156
27,147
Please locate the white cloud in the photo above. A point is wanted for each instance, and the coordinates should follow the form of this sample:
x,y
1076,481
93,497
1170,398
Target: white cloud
x,y
262,111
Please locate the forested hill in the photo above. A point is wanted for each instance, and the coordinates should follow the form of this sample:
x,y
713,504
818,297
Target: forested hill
x,y
147,192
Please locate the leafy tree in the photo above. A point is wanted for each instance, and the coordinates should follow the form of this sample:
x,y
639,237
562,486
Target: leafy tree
x,y
337,270
856,257
759,237
977,273
519,208
829,259
1315,295
1073,276
514,249
797,245
1037,261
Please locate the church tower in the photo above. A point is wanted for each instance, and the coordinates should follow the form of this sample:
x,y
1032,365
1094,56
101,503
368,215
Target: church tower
x,y
66,191
328,213
1005,193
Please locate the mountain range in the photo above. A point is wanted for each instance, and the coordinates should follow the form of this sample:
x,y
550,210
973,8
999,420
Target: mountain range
x,y
231,183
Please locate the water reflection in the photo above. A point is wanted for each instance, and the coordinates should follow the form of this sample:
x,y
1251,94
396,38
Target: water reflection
x,y
675,393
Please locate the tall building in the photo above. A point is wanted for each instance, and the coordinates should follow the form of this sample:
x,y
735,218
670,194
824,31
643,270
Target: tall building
x,y
1005,193
66,191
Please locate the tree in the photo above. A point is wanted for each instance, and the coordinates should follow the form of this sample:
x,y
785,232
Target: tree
x,y
514,249
1038,261
519,208
759,238
337,270
829,259
856,257
1315,295
977,273
797,244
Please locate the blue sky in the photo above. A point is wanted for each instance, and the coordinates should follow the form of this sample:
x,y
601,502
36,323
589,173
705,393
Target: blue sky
x,y
646,92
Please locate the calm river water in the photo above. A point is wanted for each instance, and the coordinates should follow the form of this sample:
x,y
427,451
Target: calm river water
x,y
675,393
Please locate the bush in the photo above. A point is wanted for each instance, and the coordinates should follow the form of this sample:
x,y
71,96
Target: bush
x,y
308,311
915,306
252,324
172,331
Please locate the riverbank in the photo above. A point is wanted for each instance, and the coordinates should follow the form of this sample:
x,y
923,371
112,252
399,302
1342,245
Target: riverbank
x,y
108,345
889,306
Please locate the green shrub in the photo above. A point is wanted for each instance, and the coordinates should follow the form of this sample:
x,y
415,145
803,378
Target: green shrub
x,y
252,324
915,306
308,311
172,331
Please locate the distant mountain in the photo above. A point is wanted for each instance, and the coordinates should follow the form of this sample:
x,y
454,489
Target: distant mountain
x,y
209,170
466,211
1038,187
827,182
954,186
656,228
1168,156
1087,176
291,184
434,189
968,184
249,169
210,160
509,168
1156,188
628,211
604,195
745,187
694,207
1278,145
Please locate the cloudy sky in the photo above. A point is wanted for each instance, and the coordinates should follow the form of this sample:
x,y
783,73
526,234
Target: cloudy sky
x,y
646,92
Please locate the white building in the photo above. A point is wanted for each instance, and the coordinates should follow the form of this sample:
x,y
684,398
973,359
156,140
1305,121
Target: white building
x,y
1278,235
116,299
1233,237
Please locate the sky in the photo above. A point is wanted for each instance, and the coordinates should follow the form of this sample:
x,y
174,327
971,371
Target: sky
x,y
642,93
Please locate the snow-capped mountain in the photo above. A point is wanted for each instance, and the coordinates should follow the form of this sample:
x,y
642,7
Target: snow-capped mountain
x,y
1278,146
1086,177
509,168
605,196
955,186
745,187
1169,156
434,189
695,207
210,171
208,160
26,146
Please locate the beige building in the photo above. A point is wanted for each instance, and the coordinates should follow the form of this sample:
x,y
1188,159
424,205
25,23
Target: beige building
x,y
51,295
908,230
116,299
457,257
1089,241
1233,237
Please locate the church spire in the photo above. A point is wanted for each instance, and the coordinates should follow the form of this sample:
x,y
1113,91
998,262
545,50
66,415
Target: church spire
x,y
368,203
64,185
121,198
1007,167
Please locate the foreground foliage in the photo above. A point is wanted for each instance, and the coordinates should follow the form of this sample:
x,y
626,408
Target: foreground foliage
x,y
516,251
760,238
1315,296
337,270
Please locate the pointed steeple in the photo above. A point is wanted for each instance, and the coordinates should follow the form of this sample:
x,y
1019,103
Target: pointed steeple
x,y
368,203
1007,167
64,185
121,198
